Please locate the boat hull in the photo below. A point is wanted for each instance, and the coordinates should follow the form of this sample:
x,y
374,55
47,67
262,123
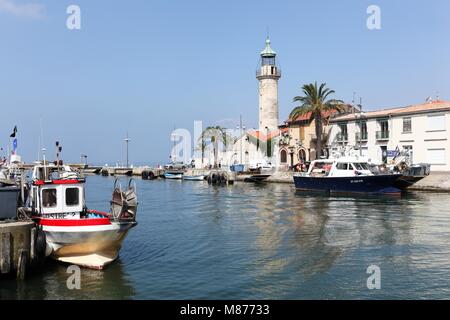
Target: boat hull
x,y
194,178
175,176
92,246
406,181
378,184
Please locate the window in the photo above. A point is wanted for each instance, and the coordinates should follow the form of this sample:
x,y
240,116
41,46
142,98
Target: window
x,y
342,166
384,125
407,124
302,155
436,123
283,156
360,166
49,198
72,196
436,156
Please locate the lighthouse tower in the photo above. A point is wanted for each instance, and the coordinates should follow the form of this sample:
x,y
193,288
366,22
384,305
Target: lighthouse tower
x,y
268,75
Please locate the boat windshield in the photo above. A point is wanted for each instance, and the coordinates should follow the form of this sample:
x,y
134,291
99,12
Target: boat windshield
x,y
361,166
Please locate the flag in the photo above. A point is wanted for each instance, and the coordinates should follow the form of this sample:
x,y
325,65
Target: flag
x,y
13,135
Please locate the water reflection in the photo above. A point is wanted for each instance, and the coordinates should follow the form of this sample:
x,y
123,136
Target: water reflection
x,y
246,241
50,282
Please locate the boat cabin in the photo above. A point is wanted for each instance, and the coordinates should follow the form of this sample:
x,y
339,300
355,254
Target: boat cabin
x,y
57,192
343,167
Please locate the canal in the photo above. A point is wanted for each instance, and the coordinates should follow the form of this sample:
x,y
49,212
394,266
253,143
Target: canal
x,y
251,241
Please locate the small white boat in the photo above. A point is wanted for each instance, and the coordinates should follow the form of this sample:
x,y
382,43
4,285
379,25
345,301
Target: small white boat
x,y
199,177
169,175
74,234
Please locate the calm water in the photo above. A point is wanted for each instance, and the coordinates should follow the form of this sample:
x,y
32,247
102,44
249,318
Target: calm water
x,y
250,241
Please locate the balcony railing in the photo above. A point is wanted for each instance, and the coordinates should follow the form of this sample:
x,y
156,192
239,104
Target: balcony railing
x,y
360,136
268,73
342,137
382,135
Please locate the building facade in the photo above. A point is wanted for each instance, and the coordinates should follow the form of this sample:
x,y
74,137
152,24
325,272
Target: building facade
x,y
422,130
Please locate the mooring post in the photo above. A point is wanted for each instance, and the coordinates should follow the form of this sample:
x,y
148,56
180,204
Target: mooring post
x,y
32,244
5,259
22,264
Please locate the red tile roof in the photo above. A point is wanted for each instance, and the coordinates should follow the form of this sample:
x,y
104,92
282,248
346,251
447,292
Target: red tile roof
x,y
433,106
261,135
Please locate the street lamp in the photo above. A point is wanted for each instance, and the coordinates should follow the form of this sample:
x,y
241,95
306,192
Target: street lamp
x,y
360,126
84,156
127,140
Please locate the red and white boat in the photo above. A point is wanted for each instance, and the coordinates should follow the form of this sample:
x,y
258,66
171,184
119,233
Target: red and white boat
x,y
74,234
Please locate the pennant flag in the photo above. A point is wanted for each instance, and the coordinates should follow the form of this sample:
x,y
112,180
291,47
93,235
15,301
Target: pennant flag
x,y
13,135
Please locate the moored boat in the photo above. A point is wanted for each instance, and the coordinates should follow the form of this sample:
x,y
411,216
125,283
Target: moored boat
x,y
171,175
199,177
345,175
74,234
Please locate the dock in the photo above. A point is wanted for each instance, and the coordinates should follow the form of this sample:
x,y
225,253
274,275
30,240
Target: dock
x,y
17,247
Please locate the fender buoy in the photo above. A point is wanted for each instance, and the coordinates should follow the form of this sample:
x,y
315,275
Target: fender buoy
x,y
42,249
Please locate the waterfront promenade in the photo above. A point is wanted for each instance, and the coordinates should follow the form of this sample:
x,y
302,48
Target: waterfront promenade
x,y
437,180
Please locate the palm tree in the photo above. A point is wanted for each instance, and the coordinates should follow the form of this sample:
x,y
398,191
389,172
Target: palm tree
x,y
314,100
202,145
215,135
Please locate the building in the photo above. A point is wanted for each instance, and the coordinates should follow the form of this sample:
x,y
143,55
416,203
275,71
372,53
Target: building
x,y
422,129
299,139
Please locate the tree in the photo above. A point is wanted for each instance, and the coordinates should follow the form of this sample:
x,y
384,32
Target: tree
x,y
314,101
202,145
214,135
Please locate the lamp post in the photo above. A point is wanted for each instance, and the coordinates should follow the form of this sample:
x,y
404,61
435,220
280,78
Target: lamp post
x,y
240,128
127,140
360,126
84,156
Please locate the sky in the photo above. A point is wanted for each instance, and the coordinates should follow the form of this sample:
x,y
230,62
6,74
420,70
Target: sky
x,y
147,66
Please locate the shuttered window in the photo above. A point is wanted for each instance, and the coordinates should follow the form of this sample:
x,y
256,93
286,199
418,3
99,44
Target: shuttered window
x,y
436,156
436,123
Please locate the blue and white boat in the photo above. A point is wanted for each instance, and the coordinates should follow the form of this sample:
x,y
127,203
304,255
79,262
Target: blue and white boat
x,y
199,177
172,175
345,175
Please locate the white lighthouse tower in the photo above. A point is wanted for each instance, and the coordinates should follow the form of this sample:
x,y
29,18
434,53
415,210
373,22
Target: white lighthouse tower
x,y
268,75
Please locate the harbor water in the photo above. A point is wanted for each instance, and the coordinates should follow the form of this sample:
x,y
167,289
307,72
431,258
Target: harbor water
x,y
249,241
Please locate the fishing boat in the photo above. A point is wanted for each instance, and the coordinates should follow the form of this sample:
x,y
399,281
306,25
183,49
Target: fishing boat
x,y
200,177
345,175
194,175
173,175
73,233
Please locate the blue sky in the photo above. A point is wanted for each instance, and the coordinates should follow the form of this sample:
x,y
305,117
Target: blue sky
x,y
145,66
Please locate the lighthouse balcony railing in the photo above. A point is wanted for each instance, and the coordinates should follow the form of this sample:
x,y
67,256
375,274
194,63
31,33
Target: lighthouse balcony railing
x,y
275,72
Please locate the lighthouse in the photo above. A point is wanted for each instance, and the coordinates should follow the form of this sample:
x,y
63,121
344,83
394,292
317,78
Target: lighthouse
x,y
268,75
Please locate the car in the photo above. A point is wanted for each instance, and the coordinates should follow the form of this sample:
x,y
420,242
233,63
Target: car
x,y
175,165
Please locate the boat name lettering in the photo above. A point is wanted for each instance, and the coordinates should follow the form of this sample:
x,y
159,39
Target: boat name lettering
x,y
59,215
